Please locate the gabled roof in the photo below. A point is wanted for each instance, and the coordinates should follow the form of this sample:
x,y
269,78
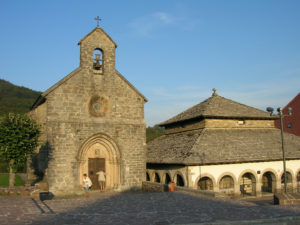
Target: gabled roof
x,y
43,96
219,107
130,85
97,29
219,146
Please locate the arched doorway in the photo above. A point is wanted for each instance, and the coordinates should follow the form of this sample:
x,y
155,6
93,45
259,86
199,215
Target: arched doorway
x,y
268,182
179,180
167,178
248,184
289,182
99,153
156,178
226,185
298,181
205,183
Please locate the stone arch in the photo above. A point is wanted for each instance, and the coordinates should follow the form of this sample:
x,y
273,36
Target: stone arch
x,y
227,174
269,178
298,180
179,179
157,177
289,180
100,146
166,178
247,181
226,183
98,59
147,176
152,176
214,184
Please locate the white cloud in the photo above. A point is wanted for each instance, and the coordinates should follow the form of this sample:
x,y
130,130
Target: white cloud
x,y
164,17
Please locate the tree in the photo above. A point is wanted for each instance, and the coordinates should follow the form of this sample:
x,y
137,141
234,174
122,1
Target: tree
x,y
154,132
18,139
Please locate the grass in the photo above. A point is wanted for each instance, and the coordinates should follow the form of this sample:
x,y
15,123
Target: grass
x,y
4,180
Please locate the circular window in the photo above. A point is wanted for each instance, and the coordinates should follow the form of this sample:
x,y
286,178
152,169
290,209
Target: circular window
x,y
98,106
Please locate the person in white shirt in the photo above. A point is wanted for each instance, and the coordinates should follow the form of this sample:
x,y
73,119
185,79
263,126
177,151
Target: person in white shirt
x,y
87,183
101,179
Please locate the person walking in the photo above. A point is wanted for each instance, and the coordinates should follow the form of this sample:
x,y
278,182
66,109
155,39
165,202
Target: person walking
x,y
101,180
87,183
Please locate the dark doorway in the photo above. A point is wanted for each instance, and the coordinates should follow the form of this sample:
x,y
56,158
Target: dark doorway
x,y
95,165
167,179
205,183
268,182
156,178
179,180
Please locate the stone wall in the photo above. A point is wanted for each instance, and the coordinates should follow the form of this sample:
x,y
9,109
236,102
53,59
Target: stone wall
x,y
86,103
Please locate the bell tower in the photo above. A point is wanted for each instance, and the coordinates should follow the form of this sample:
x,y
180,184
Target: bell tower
x,y
97,52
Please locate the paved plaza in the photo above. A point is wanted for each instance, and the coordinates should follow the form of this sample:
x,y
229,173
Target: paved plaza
x,y
143,208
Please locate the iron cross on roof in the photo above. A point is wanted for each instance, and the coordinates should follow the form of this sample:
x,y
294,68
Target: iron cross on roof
x,y
98,20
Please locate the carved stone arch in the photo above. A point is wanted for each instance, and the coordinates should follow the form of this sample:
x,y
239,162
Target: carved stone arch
x,y
175,178
248,182
288,171
247,171
205,175
148,176
270,184
100,146
152,175
227,174
157,177
297,176
269,170
165,175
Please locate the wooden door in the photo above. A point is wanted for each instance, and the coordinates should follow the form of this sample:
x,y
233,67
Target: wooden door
x,y
95,165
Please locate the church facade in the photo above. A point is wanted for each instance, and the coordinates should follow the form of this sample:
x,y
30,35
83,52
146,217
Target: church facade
x,y
93,119
224,146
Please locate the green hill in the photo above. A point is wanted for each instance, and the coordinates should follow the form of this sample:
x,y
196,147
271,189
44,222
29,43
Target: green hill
x,y
15,98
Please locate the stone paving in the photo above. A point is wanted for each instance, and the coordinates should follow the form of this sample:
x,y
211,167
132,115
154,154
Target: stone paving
x,y
142,208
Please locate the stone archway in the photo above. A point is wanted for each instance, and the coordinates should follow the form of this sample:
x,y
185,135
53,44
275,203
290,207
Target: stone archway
x,y
289,181
100,146
167,178
205,183
248,184
268,182
298,181
179,180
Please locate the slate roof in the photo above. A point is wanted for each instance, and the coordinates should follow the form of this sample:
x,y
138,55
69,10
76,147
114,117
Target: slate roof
x,y
218,146
219,107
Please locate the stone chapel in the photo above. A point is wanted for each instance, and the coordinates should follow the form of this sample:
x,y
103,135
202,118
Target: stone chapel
x,y
92,119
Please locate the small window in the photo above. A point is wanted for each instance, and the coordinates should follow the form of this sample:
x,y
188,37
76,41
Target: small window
x,y
98,59
241,122
290,125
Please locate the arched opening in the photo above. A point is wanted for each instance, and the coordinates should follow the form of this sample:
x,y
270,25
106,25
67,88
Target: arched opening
x,y
167,178
268,182
98,59
298,181
147,176
156,178
226,185
205,183
179,180
248,184
289,182
99,153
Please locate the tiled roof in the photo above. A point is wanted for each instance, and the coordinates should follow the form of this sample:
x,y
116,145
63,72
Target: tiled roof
x,y
216,146
217,106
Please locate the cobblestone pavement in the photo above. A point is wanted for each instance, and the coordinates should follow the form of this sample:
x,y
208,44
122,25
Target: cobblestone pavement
x,y
140,208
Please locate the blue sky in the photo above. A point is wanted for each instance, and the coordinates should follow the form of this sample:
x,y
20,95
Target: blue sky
x,y
172,51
